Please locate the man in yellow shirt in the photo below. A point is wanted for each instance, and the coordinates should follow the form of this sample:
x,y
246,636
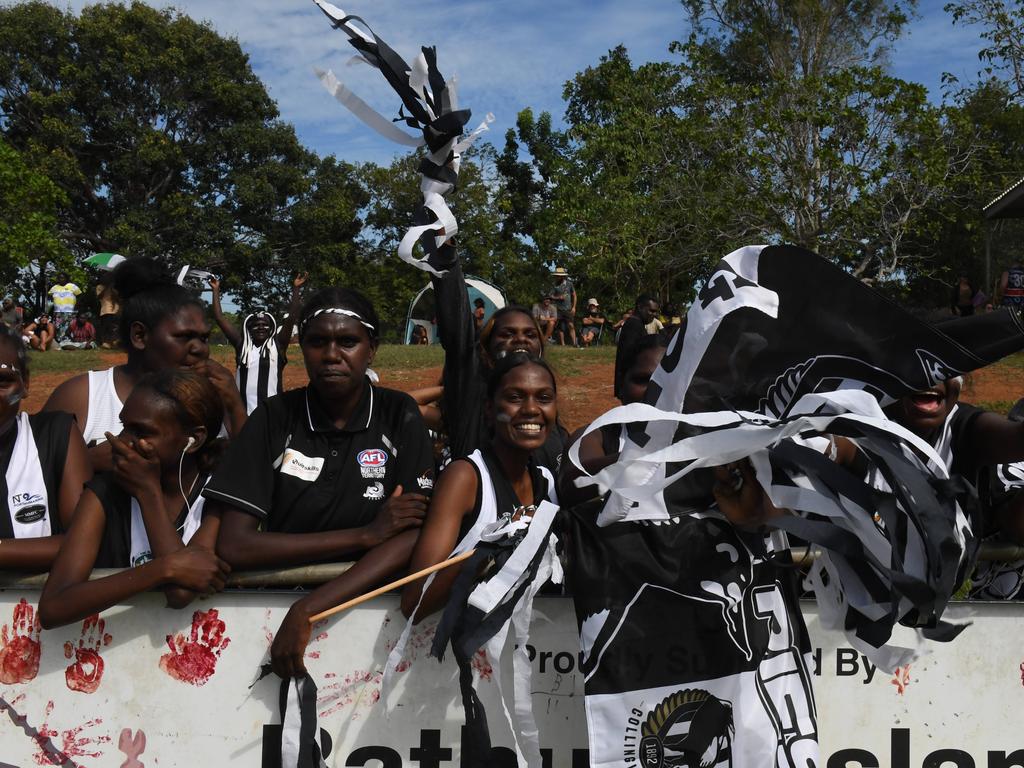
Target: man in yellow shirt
x,y
64,294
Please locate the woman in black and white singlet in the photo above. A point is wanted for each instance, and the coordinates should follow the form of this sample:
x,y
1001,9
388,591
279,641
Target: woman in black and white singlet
x,y
261,349
163,326
43,466
501,478
147,514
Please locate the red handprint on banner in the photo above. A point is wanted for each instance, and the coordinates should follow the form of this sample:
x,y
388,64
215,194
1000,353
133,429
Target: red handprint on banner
x,y
19,646
193,660
73,742
85,674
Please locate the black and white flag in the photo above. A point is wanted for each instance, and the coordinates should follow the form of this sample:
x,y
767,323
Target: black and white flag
x,y
695,650
430,106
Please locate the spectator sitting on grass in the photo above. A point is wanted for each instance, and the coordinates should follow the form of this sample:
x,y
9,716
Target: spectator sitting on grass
x,y
11,315
39,333
593,322
546,316
81,333
478,314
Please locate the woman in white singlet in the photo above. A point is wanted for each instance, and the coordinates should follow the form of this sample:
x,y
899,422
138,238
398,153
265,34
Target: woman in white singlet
x,y
147,515
163,326
502,478
43,466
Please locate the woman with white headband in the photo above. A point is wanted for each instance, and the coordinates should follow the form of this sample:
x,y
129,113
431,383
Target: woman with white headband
x,y
337,470
43,466
261,349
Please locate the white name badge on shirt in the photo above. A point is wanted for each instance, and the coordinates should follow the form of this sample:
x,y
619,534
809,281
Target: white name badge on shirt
x,y
301,466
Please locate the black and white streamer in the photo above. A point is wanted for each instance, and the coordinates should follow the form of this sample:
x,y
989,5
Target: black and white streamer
x,y
492,611
430,106
780,350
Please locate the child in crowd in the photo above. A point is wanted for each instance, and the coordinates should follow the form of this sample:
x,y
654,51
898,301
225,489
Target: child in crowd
x,y
43,466
338,469
147,515
261,350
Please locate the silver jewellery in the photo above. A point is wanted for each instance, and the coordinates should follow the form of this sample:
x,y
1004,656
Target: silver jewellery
x,y
337,311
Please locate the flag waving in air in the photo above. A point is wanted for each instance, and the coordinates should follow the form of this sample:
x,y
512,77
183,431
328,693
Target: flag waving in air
x,y
695,652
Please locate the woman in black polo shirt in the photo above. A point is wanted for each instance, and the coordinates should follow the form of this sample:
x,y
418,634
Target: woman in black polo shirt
x,y
43,465
333,471
146,515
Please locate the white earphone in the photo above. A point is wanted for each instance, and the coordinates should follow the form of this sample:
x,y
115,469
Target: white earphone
x,y
181,461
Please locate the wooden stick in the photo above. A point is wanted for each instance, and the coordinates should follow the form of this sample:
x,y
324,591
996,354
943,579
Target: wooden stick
x,y
393,585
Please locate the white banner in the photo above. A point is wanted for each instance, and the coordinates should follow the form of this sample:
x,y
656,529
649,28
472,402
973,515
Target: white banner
x,y
148,686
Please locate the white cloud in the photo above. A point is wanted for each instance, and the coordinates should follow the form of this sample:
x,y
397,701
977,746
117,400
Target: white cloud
x,y
507,55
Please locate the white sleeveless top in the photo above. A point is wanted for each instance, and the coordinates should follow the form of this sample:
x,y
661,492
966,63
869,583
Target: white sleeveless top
x,y
104,407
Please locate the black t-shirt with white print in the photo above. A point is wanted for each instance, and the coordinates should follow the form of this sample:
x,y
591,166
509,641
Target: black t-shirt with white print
x,y
50,431
297,473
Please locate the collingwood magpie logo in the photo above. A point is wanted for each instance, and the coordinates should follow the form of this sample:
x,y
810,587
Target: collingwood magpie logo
x,y
688,729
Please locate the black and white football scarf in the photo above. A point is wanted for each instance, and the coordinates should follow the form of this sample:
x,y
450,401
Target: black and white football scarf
x,y
491,604
430,106
780,350
258,370
28,502
140,550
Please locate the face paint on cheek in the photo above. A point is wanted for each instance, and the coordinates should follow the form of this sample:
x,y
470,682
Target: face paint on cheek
x,y
503,418
14,398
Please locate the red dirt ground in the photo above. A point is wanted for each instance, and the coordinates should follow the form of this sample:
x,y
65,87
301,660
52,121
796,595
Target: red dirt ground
x,y
583,396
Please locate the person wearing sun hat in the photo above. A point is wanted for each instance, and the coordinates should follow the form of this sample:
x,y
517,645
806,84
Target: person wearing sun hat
x,y
593,323
563,295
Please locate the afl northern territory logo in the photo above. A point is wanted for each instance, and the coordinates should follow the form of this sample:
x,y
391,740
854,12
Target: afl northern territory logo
x,y
372,463
688,729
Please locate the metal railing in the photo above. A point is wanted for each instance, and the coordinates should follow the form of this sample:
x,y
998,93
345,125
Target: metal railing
x,y
314,575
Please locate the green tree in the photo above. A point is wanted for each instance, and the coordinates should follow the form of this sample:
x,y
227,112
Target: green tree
x,y
1002,26
157,132
29,204
841,155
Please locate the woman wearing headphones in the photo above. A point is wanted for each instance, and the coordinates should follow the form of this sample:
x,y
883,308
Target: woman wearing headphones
x,y
145,515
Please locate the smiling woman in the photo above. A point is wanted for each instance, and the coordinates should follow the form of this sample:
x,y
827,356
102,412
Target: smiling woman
x,y
500,479
336,470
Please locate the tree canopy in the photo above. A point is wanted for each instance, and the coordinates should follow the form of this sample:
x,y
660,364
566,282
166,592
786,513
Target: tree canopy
x,y
141,131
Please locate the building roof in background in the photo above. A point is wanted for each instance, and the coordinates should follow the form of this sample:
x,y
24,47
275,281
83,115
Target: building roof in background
x,y
1008,205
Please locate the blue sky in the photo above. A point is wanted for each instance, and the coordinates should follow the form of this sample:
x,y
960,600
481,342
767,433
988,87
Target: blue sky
x,y
507,55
